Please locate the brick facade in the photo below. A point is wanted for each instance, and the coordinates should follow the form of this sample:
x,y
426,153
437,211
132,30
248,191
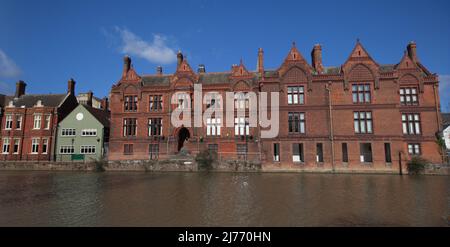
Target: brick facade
x,y
328,107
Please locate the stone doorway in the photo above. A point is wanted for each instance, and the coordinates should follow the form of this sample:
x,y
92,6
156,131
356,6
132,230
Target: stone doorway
x,y
183,135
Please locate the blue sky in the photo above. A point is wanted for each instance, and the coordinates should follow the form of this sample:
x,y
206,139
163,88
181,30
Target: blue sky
x,y
47,42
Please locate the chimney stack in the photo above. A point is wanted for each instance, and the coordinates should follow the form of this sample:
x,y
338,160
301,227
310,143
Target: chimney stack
x,y
89,98
20,88
201,68
105,104
316,56
71,86
126,65
179,58
260,64
412,51
159,70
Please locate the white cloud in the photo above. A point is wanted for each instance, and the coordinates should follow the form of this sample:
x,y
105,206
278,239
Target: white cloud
x,y
444,92
7,67
157,51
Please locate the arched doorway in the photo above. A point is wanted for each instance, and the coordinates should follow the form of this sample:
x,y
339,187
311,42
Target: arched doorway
x,y
183,135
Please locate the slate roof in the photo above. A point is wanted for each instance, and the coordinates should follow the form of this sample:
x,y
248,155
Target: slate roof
x,y
214,78
445,119
156,80
29,100
101,115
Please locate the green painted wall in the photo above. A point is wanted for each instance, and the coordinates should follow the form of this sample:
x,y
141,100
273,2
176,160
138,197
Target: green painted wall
x,y
87,121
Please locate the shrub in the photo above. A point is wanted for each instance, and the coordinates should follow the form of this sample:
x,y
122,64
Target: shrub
x,y
416,165
205,159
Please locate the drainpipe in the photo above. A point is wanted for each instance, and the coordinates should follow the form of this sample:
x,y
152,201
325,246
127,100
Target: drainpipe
x,y
328,88
438,118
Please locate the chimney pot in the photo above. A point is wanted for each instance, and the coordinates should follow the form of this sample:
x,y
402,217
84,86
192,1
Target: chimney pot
x,y
412,51
316,56
89,98
201,68
179,58
159,70
260,64
71,86
20,88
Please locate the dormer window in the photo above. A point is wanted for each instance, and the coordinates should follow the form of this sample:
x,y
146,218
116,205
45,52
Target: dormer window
x,y
39,103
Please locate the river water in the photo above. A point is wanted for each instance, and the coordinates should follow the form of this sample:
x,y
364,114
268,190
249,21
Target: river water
x,y
221,199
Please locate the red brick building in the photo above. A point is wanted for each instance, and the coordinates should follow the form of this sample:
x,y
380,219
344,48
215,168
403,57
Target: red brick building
x,y
355,116
29,122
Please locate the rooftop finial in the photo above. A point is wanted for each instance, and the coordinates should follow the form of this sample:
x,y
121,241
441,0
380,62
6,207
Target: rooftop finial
x,y
293,43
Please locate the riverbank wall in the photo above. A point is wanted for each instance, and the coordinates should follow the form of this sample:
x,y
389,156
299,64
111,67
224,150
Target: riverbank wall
x,y
188,165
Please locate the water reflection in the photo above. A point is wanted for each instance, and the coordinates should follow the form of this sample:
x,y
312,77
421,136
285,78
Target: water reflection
x,y
221,199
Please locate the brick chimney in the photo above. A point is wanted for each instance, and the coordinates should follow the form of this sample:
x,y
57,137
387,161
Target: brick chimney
x,y
20,88
260,63
126,65
105,104
159,70
412,51
71,86
179,58
89,98
316,56
201,68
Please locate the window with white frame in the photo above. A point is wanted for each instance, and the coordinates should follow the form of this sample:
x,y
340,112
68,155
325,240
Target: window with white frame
x,y
408,96
241,126
18,122
66,149
154,126
414,148
241,100
5,146
37,121
68,132
16,146
361,93
44,146
87,149
213,126
411,123
296,95
34,145
362,122
89,132
47,122
8,122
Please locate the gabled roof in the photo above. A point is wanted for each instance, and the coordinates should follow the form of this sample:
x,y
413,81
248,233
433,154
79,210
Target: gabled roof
x,y
30,100
101,115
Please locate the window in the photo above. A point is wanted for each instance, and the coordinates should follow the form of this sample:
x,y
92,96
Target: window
x,y
242,151
153,150
408,96
344,153
213,127
87,149
212,100
414,148
89,132
37,122
241,126
128,149
155,102
68,132
241,100
319,152
44,146
296,122
213,148
16,146
297,152
365,151
387,153
34,145
66,149
276,152
411,123
361,93
47,122
130,103
8,122
5,148
296,95
183,100
362,122
129,127
18,122
154,126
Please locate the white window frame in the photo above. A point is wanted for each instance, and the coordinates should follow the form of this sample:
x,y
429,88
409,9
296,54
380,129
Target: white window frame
x,y
84,148
89,132
35,145
241,126
8,121
47,122
213,127
37,121
18,145
45,142
6,145
68,149
20,122
67,131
